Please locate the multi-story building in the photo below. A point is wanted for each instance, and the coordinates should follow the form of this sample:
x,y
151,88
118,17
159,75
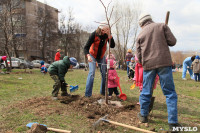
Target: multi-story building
x,y
36,27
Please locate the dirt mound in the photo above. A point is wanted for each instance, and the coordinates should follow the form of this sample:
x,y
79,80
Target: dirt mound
x,y
88,107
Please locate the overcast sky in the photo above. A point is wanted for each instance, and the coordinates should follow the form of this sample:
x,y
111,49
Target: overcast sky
x,y
184,19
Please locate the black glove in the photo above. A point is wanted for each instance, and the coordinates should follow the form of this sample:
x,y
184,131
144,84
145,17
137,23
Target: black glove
x,y
63,83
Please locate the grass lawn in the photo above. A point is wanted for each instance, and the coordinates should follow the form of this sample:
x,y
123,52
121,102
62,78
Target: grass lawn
x,y
25,97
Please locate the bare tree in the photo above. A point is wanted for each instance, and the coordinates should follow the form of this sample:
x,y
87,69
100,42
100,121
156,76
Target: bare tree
x,y
67,31
178,57
8,26
72,37
127,28
47,31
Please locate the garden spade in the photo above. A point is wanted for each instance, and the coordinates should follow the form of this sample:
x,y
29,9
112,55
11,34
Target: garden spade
x,y
72,88
29,125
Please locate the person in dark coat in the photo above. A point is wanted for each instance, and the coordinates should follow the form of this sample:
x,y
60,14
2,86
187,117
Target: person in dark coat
x,y
57,71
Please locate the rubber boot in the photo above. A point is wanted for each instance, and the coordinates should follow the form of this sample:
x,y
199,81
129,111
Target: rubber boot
x,y
64,90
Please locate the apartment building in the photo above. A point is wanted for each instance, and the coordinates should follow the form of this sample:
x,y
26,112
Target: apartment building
x,y
35,32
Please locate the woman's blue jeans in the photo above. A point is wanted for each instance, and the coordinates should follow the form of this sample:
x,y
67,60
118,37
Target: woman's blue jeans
x,y
168,88
91,74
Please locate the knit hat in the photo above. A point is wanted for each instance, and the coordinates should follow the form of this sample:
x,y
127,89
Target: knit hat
x,y
143,18
103,24
112,63
129,50
42,62
3,58
197,57
58,50
73,61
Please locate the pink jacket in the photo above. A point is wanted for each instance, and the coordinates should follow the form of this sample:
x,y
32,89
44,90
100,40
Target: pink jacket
x,y
112,73
138,77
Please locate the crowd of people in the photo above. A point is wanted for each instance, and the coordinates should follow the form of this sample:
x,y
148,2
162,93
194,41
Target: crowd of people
x,y
152,62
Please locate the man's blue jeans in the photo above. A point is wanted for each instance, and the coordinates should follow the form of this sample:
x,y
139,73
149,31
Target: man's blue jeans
x,y
197,76
185,70
127,64
168,88
91,74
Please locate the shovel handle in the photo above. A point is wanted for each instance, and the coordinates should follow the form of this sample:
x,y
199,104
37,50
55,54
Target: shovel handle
x,y
58,130
131,127
119,85
167,18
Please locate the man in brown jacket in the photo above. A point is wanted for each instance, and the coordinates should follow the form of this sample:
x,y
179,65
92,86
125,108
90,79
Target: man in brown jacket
x,y
152,50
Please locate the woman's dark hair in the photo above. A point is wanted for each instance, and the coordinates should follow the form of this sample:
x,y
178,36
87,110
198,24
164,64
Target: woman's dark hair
x,y
193,57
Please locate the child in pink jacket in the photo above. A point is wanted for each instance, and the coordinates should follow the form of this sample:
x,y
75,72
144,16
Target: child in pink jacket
x,y
138,77
112,80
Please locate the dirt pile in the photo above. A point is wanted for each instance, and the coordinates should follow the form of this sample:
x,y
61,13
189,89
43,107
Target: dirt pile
x,y
88,107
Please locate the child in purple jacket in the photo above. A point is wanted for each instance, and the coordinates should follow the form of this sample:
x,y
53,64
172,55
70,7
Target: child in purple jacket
x,y
112,80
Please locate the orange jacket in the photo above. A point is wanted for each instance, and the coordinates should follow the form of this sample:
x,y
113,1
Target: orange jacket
x,y
96,45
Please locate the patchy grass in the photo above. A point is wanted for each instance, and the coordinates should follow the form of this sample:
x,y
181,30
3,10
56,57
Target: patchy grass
x,y
25,97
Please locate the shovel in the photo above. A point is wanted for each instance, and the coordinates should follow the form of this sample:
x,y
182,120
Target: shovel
x,y
120,124
72,88
132,86
29,125
122,95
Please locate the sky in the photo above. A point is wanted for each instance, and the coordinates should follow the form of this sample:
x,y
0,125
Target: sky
x,y
184,19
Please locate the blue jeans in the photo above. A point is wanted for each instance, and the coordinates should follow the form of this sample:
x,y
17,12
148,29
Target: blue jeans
x,y
91,74
168,88
127,63
197,76
185,70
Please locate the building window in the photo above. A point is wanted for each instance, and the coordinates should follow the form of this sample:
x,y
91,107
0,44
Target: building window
x,y
40,33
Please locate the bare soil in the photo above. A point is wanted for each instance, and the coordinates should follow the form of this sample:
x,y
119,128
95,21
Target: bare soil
x,y
88,107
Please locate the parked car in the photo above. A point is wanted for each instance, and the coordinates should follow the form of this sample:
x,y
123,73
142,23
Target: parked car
x,y
28,64
82,65
36,64
16,63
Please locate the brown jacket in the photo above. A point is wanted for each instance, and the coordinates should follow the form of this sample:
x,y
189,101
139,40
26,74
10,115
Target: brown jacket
x,y
196,66
152,45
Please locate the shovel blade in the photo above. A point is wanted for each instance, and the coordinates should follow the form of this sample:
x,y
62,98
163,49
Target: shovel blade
x,y
29,125
151,104
123,96
73,88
